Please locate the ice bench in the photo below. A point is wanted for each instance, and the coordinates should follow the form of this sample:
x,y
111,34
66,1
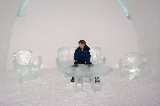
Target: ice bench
x,y
65,61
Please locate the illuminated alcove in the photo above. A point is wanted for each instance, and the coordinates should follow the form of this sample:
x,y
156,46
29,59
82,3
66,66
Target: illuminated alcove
x,y
60,24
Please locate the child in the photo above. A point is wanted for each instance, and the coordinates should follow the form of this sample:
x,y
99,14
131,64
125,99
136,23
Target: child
x,y
82,56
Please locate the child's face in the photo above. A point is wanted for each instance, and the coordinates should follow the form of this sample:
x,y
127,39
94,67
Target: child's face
x,y
81,46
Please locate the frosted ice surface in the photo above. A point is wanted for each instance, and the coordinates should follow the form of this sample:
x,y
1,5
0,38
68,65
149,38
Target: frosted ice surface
x,y
98,68
25,65
132,65
67,54
65,60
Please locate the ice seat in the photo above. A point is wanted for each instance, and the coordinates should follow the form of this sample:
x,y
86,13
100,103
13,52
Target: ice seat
x,y
132,65
65,61
26,66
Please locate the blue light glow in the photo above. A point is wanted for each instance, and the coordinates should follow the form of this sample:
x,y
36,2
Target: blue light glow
x,y
22,7
125,9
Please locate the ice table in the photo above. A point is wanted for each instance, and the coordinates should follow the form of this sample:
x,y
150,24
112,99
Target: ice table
x,y
99,69
87,71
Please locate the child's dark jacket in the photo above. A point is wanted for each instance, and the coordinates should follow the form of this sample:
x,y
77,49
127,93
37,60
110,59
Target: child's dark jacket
x,y
82,54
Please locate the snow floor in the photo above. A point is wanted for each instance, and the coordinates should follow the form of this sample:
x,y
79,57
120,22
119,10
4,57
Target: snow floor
x,y
53,89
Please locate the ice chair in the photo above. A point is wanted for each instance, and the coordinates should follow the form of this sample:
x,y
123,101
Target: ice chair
x,y
26,66
132,65
65,61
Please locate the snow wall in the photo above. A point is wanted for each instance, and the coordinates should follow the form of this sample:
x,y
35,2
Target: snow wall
x,y
8,9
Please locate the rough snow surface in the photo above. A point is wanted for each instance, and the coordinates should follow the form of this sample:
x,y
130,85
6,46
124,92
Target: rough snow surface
x,y
53,89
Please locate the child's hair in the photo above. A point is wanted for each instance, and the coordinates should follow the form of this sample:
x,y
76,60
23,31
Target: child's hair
x,y
82,42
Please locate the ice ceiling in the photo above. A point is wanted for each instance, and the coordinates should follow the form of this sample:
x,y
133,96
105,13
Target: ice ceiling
x,y
145,16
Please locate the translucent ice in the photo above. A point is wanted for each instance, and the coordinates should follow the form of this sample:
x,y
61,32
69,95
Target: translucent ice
x,y
22,7
25,65
98,68
132,65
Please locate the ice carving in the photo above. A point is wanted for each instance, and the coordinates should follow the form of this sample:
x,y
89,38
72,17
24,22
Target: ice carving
x,y
26,66
132,65
65,61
